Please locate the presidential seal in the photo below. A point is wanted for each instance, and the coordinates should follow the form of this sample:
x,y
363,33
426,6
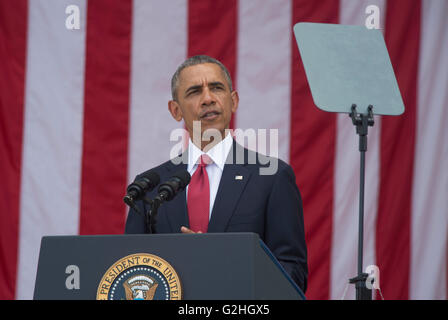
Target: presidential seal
x,y
140,276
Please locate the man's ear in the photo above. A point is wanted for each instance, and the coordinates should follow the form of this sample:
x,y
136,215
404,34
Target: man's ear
x,y
235,100
175,110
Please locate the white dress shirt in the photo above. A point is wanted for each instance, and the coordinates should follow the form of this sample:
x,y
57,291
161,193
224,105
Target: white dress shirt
x,y
218,154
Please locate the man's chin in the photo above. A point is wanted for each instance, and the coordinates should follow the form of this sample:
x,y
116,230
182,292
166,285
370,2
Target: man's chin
x,y
212,132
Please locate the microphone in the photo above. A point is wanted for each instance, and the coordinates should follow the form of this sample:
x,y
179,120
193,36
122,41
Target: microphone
x,y
166,192
177,183
147,181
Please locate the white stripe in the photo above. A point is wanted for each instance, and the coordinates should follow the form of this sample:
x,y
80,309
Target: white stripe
x,y
159,46
344,256
430,188
52,133
263,69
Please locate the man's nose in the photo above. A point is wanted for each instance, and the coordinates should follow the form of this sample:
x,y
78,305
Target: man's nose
x,y
207,97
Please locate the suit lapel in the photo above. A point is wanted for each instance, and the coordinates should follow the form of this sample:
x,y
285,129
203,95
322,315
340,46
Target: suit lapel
x,y
233,181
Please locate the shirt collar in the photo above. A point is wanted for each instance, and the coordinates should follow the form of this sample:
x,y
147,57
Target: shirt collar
x,y
218,153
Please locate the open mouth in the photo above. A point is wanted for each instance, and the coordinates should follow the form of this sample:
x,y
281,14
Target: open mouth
x,y
210,115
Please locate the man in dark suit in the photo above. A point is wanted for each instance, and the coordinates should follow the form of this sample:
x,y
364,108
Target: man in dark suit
x,y
229,191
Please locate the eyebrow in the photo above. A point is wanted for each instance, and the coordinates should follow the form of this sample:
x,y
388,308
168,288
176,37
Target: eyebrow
x,y
199,86
216,83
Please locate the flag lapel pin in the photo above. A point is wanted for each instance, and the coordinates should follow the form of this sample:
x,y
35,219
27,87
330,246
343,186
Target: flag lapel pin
x,y
238,177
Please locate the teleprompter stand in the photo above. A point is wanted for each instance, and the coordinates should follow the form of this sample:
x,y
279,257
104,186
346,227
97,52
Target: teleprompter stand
x,y
362,123
350,66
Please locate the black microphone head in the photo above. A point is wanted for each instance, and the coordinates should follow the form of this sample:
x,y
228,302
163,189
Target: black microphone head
x,y
184,178
145,182
152,176
178,181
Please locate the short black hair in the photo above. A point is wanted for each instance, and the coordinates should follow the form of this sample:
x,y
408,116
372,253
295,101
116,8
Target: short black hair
x,y
192,61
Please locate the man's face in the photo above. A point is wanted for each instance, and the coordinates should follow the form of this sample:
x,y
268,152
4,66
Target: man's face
x,y
204,95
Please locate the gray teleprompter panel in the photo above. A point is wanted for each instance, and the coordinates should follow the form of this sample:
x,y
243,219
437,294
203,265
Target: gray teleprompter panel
x,y
348,65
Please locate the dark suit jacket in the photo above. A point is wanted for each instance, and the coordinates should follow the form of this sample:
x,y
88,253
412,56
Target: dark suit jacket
x,y
269,205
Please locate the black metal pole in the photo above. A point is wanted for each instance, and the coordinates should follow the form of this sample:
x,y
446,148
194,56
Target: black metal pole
x,y
361,212
151,214
362,122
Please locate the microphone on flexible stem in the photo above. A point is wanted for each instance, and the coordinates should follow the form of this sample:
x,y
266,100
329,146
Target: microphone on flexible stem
x,y
144,183
169,189
166,192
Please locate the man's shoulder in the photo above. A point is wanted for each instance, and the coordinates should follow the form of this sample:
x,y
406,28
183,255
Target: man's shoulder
x,y
164,168
264,164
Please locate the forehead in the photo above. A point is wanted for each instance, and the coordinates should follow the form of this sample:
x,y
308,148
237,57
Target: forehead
x,y
201,74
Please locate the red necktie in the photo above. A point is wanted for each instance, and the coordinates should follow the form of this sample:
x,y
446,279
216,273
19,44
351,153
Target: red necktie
x,y
199,197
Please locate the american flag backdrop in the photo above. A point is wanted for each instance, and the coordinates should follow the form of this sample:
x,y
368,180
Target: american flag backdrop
x,y
83,110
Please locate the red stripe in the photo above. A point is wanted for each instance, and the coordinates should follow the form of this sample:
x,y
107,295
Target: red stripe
x,y
397,152
212,30
106,116
13,34
312,154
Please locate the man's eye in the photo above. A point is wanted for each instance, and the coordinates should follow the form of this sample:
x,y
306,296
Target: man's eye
x,y
191,92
